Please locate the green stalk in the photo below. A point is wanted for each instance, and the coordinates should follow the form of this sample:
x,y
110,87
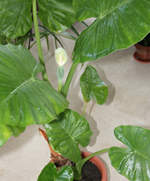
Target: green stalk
x,y
85,24
55,43
75,31
84,109
39,47
65,88
1,39
59,84
94,154
79,165
8,40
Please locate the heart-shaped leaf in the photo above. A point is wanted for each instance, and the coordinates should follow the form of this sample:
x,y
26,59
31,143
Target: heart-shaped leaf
x,y
93,86
132,162
7,131
57,15
65,132
119,24
50,173
15,17
24,99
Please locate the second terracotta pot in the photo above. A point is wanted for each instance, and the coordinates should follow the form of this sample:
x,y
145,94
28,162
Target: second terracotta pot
x,y
142,53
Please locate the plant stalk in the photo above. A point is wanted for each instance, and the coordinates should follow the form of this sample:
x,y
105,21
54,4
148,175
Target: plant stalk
x,y
65,87
84,109
1,39
96,153
75,31
39,47
59,84
85,24
55,43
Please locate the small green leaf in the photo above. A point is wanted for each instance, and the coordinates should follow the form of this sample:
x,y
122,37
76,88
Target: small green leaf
x,y
7,131
57,15
15,17
24,99
119,24
50,173
93,86
132,162
65,132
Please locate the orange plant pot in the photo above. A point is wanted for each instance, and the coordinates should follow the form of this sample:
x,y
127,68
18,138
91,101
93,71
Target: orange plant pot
x,y
94,159
98,163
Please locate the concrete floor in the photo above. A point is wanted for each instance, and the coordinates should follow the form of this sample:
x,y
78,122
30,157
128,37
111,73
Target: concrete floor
x,y
23,158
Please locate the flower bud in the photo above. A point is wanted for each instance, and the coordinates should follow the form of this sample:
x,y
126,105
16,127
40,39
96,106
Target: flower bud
x,y
60,56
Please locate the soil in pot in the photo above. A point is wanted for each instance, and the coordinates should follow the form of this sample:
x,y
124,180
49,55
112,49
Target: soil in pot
x,y
90,172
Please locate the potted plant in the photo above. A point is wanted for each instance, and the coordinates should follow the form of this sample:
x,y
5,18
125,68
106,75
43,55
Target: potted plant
x,y
26,100
142,53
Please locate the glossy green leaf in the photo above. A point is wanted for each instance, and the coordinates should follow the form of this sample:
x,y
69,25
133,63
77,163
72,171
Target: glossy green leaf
x,y
57,15
7,131
15,17
24,99
65,132
50,173
132,162
93,86
119,24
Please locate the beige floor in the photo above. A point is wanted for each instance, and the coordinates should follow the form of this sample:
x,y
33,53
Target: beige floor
x,y
22,158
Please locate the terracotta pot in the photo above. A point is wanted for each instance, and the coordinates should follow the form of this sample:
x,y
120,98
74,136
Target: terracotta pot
x,y
142,54
94,159
98,163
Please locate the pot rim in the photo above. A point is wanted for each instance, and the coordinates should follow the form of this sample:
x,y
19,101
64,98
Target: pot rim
x,y
142,47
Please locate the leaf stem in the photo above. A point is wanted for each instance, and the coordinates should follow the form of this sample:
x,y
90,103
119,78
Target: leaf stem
x,y
1,39
39,47
94,154
53,34
59,84
65,87
74,30
55,43
84,109
8,40
85,24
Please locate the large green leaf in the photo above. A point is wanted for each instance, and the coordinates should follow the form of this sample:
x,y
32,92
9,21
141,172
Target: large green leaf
x,y
15,17
25,99
50,173
132,162
7,131
57,15
65,132
119,24
93,86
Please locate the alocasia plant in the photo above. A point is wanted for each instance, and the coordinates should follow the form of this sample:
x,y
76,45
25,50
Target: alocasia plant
x,y
26,100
